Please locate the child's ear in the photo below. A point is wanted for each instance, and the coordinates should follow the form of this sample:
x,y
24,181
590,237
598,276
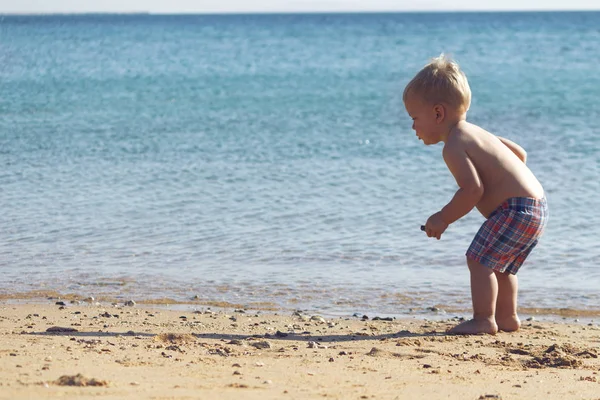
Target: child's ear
x,y
440,113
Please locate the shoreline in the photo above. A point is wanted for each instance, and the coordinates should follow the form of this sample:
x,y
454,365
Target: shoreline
x,y
436,312
51,350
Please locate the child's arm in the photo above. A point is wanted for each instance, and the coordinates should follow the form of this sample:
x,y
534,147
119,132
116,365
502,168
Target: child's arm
x,y
470,185
515,148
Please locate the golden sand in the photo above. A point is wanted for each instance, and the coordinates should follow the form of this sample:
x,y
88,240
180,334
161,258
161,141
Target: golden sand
x,y
137,352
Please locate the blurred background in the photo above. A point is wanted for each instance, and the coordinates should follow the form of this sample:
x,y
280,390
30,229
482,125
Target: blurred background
x,y
262,156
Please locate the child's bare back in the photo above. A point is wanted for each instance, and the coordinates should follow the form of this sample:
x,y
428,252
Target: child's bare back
x,y
503,172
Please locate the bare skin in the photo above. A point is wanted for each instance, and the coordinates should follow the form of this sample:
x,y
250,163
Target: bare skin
x,y
501,172
488,170
494,297
506,302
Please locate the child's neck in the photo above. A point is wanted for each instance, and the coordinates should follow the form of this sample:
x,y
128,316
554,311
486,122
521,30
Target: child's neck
x,y
451,124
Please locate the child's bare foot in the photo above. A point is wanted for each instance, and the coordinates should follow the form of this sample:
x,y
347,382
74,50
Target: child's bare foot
x,y
475,327
509,324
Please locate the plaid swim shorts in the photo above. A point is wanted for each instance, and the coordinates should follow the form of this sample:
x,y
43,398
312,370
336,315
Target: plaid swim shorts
x,y
509,234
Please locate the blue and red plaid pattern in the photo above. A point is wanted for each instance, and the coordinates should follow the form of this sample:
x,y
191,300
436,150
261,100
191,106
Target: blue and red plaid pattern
x,y
509,234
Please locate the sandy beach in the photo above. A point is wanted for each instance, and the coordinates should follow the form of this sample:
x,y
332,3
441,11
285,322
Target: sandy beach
x,y
99,350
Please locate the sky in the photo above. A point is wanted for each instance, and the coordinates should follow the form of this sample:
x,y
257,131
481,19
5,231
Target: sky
x,y
227,6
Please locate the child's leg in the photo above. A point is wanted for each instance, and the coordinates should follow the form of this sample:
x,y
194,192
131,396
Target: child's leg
x,y
506,303
484,291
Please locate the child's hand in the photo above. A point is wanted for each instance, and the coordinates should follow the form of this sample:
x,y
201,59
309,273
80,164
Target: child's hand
x,y
435,226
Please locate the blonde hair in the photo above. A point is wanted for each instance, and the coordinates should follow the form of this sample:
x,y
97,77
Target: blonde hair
x,y
441,81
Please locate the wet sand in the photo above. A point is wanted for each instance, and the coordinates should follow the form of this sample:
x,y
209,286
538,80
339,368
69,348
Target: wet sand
x,y
119,352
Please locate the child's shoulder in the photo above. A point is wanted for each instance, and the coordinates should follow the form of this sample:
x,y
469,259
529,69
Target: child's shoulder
x,y
466,133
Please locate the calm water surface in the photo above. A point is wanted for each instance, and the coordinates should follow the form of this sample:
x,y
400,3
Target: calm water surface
x,y
269,159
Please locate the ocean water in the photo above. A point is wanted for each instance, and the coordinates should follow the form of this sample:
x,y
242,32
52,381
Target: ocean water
x,y
267,160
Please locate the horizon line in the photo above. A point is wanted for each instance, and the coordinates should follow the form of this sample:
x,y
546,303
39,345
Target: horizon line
x,y
281,12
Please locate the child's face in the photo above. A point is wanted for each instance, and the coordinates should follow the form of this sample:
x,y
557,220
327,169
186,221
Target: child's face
x,y
424,120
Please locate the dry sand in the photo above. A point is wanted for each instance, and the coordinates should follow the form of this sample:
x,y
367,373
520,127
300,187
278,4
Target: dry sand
x,y
143,353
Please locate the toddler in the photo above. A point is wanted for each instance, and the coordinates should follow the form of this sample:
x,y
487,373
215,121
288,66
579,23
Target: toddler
x,y
491,175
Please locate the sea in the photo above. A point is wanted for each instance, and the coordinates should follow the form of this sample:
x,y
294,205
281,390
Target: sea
x,y
266,161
